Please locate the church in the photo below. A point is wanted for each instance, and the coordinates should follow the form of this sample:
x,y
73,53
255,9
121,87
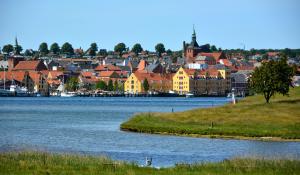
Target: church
x,y
191,50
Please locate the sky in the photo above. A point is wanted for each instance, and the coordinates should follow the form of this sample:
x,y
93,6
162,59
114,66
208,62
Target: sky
x,y
228,24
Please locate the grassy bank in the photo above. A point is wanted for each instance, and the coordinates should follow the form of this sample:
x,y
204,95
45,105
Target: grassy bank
x,y
251,118
23,163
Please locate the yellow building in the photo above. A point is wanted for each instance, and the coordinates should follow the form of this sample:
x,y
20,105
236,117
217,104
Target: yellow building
x,y
204,82
183,81
133,85
157,82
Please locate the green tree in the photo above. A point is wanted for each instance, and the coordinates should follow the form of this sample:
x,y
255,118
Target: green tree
x,y
43,49
67,48
72,84
110,86
54,48
28,52
271,78
120,48
102,52
160,48
169,52
101,85
7,48
146,85
93,49
213,48
137,48
116,85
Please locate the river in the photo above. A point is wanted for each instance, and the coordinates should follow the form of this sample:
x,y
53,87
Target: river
x,y
91,126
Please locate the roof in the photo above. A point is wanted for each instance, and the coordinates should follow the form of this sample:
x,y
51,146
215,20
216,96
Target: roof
x,y
107,73
142,65
107,68
55,74
190,71
215,55
87,74
152,76
13,75
35,76
30,65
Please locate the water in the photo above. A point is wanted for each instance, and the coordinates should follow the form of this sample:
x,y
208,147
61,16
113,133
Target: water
x,y
91,126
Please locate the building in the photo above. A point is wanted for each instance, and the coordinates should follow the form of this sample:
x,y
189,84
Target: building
x,y
191,50
239,82
36,65
157,82
211,81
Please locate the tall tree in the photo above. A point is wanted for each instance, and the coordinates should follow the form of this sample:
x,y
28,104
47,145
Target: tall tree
x,y
272,77
7,48
43,49
146,85
116,85
93,49
67,49
120,48
110,86
101,85
54,48
160,48
72,84
137,48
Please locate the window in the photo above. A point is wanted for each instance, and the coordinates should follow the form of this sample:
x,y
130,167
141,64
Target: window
x,y
180,72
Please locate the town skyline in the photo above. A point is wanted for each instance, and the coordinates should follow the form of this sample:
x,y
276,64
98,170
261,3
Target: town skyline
x,y
83,23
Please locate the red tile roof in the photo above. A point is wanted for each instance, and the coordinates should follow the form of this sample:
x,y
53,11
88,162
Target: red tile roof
x,y
152,76
107,68
13,75
55,74
30,65
106,73
142,65
215,55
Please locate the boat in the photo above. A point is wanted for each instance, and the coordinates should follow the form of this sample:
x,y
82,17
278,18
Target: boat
x,y
19,91
67,94
189,95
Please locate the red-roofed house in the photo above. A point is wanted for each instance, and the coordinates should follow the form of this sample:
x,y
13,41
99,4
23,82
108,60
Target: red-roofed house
x,y
100,68
157,82
36,65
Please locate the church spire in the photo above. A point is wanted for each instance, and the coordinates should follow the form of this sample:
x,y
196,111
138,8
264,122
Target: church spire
x,y
17,47
194,34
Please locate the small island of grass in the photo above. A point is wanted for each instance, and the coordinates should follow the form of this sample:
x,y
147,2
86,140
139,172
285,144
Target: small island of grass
x,y
250,118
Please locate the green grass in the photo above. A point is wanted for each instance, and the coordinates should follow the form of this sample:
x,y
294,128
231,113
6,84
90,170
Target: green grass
x,y
39,163
249,118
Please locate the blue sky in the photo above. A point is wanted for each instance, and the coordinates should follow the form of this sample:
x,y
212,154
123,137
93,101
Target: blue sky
x,y
225,23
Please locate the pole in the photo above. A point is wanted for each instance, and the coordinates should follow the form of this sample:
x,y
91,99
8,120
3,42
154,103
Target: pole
x,y
4,73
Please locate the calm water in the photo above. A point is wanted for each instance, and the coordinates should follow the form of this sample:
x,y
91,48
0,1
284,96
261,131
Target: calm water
x,y
91,126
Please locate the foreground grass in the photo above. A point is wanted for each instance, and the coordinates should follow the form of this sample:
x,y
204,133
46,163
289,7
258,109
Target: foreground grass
x,y
24,163
250,118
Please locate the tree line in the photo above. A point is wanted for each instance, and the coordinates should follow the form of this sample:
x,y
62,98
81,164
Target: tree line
x,y
93,50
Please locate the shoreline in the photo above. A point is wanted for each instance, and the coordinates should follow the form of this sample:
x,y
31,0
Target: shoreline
x,y
224,137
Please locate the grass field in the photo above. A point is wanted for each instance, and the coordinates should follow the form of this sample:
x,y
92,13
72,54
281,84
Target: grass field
x,y
250,118
39,163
